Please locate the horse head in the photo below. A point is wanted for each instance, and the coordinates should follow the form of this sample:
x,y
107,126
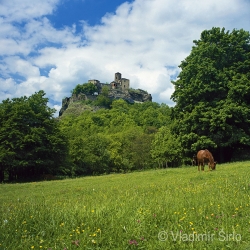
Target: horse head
x,y
212,165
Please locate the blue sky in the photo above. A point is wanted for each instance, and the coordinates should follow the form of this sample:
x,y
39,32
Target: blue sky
x,y
91,11
54,45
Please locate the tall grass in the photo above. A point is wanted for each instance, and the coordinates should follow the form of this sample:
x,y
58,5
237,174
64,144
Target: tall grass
x,y
157,209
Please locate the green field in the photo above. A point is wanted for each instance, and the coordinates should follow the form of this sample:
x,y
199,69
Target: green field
x,y
158,209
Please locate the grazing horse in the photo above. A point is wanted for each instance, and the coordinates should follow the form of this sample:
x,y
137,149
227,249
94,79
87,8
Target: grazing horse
x,y
203,157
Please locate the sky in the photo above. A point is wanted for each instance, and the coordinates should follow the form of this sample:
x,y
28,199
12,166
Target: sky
x,y
53,45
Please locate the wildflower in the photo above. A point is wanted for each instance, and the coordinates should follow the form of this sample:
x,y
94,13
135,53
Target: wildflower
x,y
32,247
133,242
93,241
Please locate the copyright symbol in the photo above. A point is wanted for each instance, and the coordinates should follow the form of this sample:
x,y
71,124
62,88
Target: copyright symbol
x,y
162,236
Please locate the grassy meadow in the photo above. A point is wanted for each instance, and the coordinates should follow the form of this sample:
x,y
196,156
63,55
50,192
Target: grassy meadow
x,y
157,209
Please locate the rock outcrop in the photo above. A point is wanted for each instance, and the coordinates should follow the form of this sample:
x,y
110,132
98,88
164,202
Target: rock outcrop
x,y
129,95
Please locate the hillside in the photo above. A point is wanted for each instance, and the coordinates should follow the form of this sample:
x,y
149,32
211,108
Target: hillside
x,y
94,90
128,95
156,209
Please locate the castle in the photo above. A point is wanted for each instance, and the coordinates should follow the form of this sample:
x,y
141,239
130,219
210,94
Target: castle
x,y
118,89
119,83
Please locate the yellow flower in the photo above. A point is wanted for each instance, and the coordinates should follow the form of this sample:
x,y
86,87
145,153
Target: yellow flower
x,y
32,247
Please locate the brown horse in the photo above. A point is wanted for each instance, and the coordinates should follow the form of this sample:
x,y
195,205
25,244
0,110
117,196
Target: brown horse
x,y
203,157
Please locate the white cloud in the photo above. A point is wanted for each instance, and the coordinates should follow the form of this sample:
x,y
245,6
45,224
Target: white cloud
x,y
16,10
144,40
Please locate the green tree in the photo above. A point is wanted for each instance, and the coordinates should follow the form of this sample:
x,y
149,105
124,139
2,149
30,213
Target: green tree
x,y
166,149
212,93
31,143
85,88
103,99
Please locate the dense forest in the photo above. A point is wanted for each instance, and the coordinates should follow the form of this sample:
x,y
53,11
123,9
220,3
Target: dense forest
x,y
212,96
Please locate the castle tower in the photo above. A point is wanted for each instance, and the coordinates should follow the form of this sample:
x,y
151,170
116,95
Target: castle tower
x,y
118,77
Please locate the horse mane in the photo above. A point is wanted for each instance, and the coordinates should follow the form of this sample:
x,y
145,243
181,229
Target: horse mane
x,y
210,156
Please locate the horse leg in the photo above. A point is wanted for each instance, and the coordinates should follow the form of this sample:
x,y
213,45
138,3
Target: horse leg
x,y
203,164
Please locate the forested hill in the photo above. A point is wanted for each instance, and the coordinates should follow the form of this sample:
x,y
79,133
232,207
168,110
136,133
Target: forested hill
x,y
121,138
88,93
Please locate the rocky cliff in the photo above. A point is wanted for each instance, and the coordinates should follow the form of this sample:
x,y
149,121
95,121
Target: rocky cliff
x,y
129,95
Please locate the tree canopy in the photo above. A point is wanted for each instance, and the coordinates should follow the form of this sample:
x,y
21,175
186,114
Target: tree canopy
x,y
85,88
118,139
30,141
212,92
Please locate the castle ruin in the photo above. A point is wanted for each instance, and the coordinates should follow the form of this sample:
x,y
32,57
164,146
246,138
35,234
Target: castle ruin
x,y
119,83
118,89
